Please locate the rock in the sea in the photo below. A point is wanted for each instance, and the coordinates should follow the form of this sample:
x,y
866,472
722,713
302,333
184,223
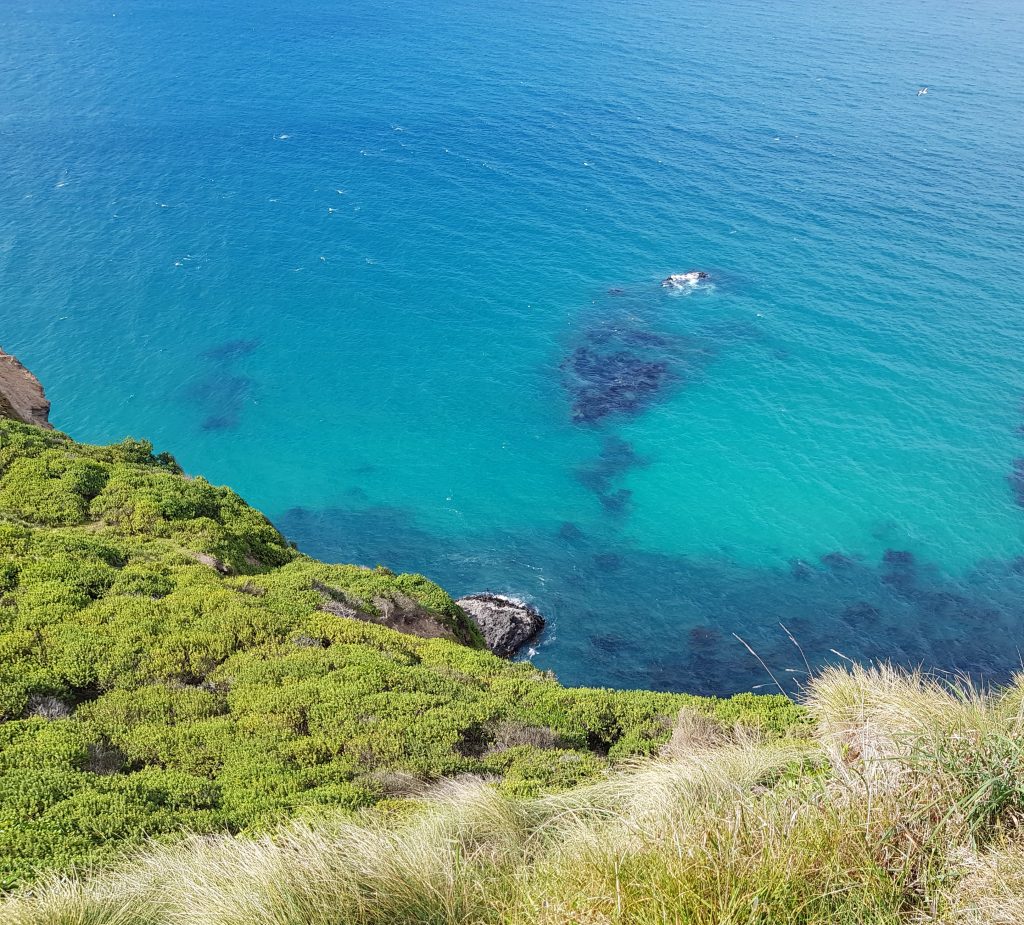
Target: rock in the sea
x,y
21,395
506,623
685,280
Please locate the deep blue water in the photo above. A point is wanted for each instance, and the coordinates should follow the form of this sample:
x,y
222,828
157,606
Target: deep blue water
x,y
392,271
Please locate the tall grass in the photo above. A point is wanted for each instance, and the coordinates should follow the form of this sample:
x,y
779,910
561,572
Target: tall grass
x,y
905,807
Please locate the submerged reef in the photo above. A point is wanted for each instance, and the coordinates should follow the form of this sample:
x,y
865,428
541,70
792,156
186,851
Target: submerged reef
x,y
624,615
636,347
631,351
222,392
605,381
617,457
620,364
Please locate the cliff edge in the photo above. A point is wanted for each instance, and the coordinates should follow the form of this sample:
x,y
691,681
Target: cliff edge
x,y
21,394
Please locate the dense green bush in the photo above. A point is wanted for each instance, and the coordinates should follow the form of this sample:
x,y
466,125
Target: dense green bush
x,y
52,488
165,664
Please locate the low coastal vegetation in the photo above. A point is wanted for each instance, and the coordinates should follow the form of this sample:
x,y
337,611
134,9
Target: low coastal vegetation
x,y
198,724
169,663
903,805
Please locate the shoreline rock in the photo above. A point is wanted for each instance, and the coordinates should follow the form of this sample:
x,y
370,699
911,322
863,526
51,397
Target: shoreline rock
x,y
685,280
21,394
506,623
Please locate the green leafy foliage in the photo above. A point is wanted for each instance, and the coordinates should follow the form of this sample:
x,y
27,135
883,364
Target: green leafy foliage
x,y
167,663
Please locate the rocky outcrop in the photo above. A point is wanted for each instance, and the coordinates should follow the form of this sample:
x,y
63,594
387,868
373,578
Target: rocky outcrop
x,y
21,395
400,612
396,611
506,623
204,558
685,280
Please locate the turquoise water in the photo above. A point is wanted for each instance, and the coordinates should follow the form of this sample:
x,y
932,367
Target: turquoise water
x,y
375,266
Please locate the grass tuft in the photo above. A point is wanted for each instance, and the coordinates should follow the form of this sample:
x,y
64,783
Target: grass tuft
x,y
904,808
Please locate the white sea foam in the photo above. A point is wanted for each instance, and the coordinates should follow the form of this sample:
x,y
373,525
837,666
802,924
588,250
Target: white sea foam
x,y
687,283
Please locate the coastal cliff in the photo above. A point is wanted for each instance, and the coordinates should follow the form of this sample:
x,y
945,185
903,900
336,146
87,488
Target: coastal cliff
x,y
21,395
169,662
199,723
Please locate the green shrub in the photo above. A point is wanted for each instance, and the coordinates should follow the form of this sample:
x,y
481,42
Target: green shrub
x,y
50,489
192,679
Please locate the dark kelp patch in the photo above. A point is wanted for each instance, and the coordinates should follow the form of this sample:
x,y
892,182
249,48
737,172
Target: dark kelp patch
x,y
632,354
643,618
1016,480
222,392
607,382
617,457
230,350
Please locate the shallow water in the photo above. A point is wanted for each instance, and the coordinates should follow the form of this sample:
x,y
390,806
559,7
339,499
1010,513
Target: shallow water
x,y
394,275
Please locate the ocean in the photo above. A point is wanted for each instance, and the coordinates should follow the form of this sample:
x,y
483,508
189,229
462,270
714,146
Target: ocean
x,y
393,272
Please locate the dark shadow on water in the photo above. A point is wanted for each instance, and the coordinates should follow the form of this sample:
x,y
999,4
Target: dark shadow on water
x,y
230,350
221,393
1016,480
616,459
633,618
221,398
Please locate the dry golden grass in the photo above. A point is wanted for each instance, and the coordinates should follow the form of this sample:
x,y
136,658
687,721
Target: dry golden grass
x,y
904,809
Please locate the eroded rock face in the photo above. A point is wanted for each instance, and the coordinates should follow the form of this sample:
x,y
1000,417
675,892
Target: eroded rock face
x,y
400,612
204,558
506,623
21,395
396,611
